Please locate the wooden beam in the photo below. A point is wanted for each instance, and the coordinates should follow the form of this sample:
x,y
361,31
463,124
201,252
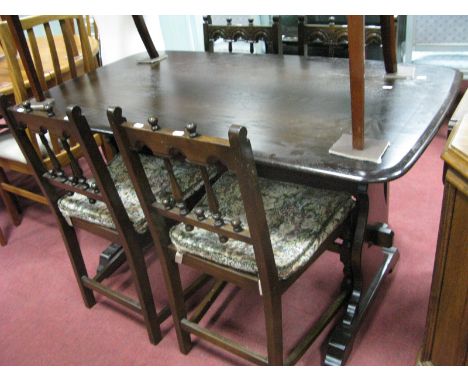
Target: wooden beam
x,y
387,29
356,73
145,36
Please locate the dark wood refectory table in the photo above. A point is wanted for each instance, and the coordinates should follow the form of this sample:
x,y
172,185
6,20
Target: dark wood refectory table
x,y
294,109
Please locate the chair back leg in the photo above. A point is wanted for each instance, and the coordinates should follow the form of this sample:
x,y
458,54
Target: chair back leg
x,y
274,327
76,259
3,240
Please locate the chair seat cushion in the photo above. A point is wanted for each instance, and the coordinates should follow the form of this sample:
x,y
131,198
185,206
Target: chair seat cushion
x,y
79,206
299,218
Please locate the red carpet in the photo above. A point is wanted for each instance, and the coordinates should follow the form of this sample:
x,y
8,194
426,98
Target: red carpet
x,y
44,322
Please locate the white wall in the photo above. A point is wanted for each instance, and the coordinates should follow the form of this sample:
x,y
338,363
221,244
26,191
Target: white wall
x,y
182,32
119,36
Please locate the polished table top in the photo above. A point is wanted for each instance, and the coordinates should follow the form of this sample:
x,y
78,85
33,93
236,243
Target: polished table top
x,y
294,107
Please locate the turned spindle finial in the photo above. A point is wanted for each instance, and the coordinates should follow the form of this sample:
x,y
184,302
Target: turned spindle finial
x,y
236,225
153,121
189,227
200,213
49,108
229,21
167,203
251,21
218,220
222,239
191,129
183,210
27,106
331,21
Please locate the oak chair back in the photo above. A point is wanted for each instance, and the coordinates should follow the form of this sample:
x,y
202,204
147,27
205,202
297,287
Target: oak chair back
x,y
234,154
271,35
336,36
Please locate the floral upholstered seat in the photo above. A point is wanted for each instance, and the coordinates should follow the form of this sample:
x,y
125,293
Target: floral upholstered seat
x,y
299,218
79,206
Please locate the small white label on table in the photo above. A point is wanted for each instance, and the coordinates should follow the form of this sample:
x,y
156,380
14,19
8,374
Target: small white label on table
x,y
387,87
65,118
138,125
178,133
373,150
20,110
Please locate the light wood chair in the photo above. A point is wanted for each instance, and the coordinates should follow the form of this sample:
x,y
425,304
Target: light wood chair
x,y
67,56
231,236
102,203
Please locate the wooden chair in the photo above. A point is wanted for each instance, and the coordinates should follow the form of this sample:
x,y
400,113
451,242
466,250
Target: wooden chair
x,y
69,54
230,235
271,35
336,35
104,204
38,80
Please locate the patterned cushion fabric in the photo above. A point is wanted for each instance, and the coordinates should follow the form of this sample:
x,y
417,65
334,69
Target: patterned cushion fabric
x,y
299,218
78,205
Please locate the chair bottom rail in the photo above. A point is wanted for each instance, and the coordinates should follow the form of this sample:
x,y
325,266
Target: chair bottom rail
x,y
25,193
191,325
223,342
112,294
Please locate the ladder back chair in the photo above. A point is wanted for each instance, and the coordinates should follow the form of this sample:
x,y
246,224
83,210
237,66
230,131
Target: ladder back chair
x,y
104,204
270,35
232,235
67,55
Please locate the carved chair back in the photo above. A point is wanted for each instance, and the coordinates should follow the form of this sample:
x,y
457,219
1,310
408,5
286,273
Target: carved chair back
x,y
331,35
271,35
59,137
234,154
